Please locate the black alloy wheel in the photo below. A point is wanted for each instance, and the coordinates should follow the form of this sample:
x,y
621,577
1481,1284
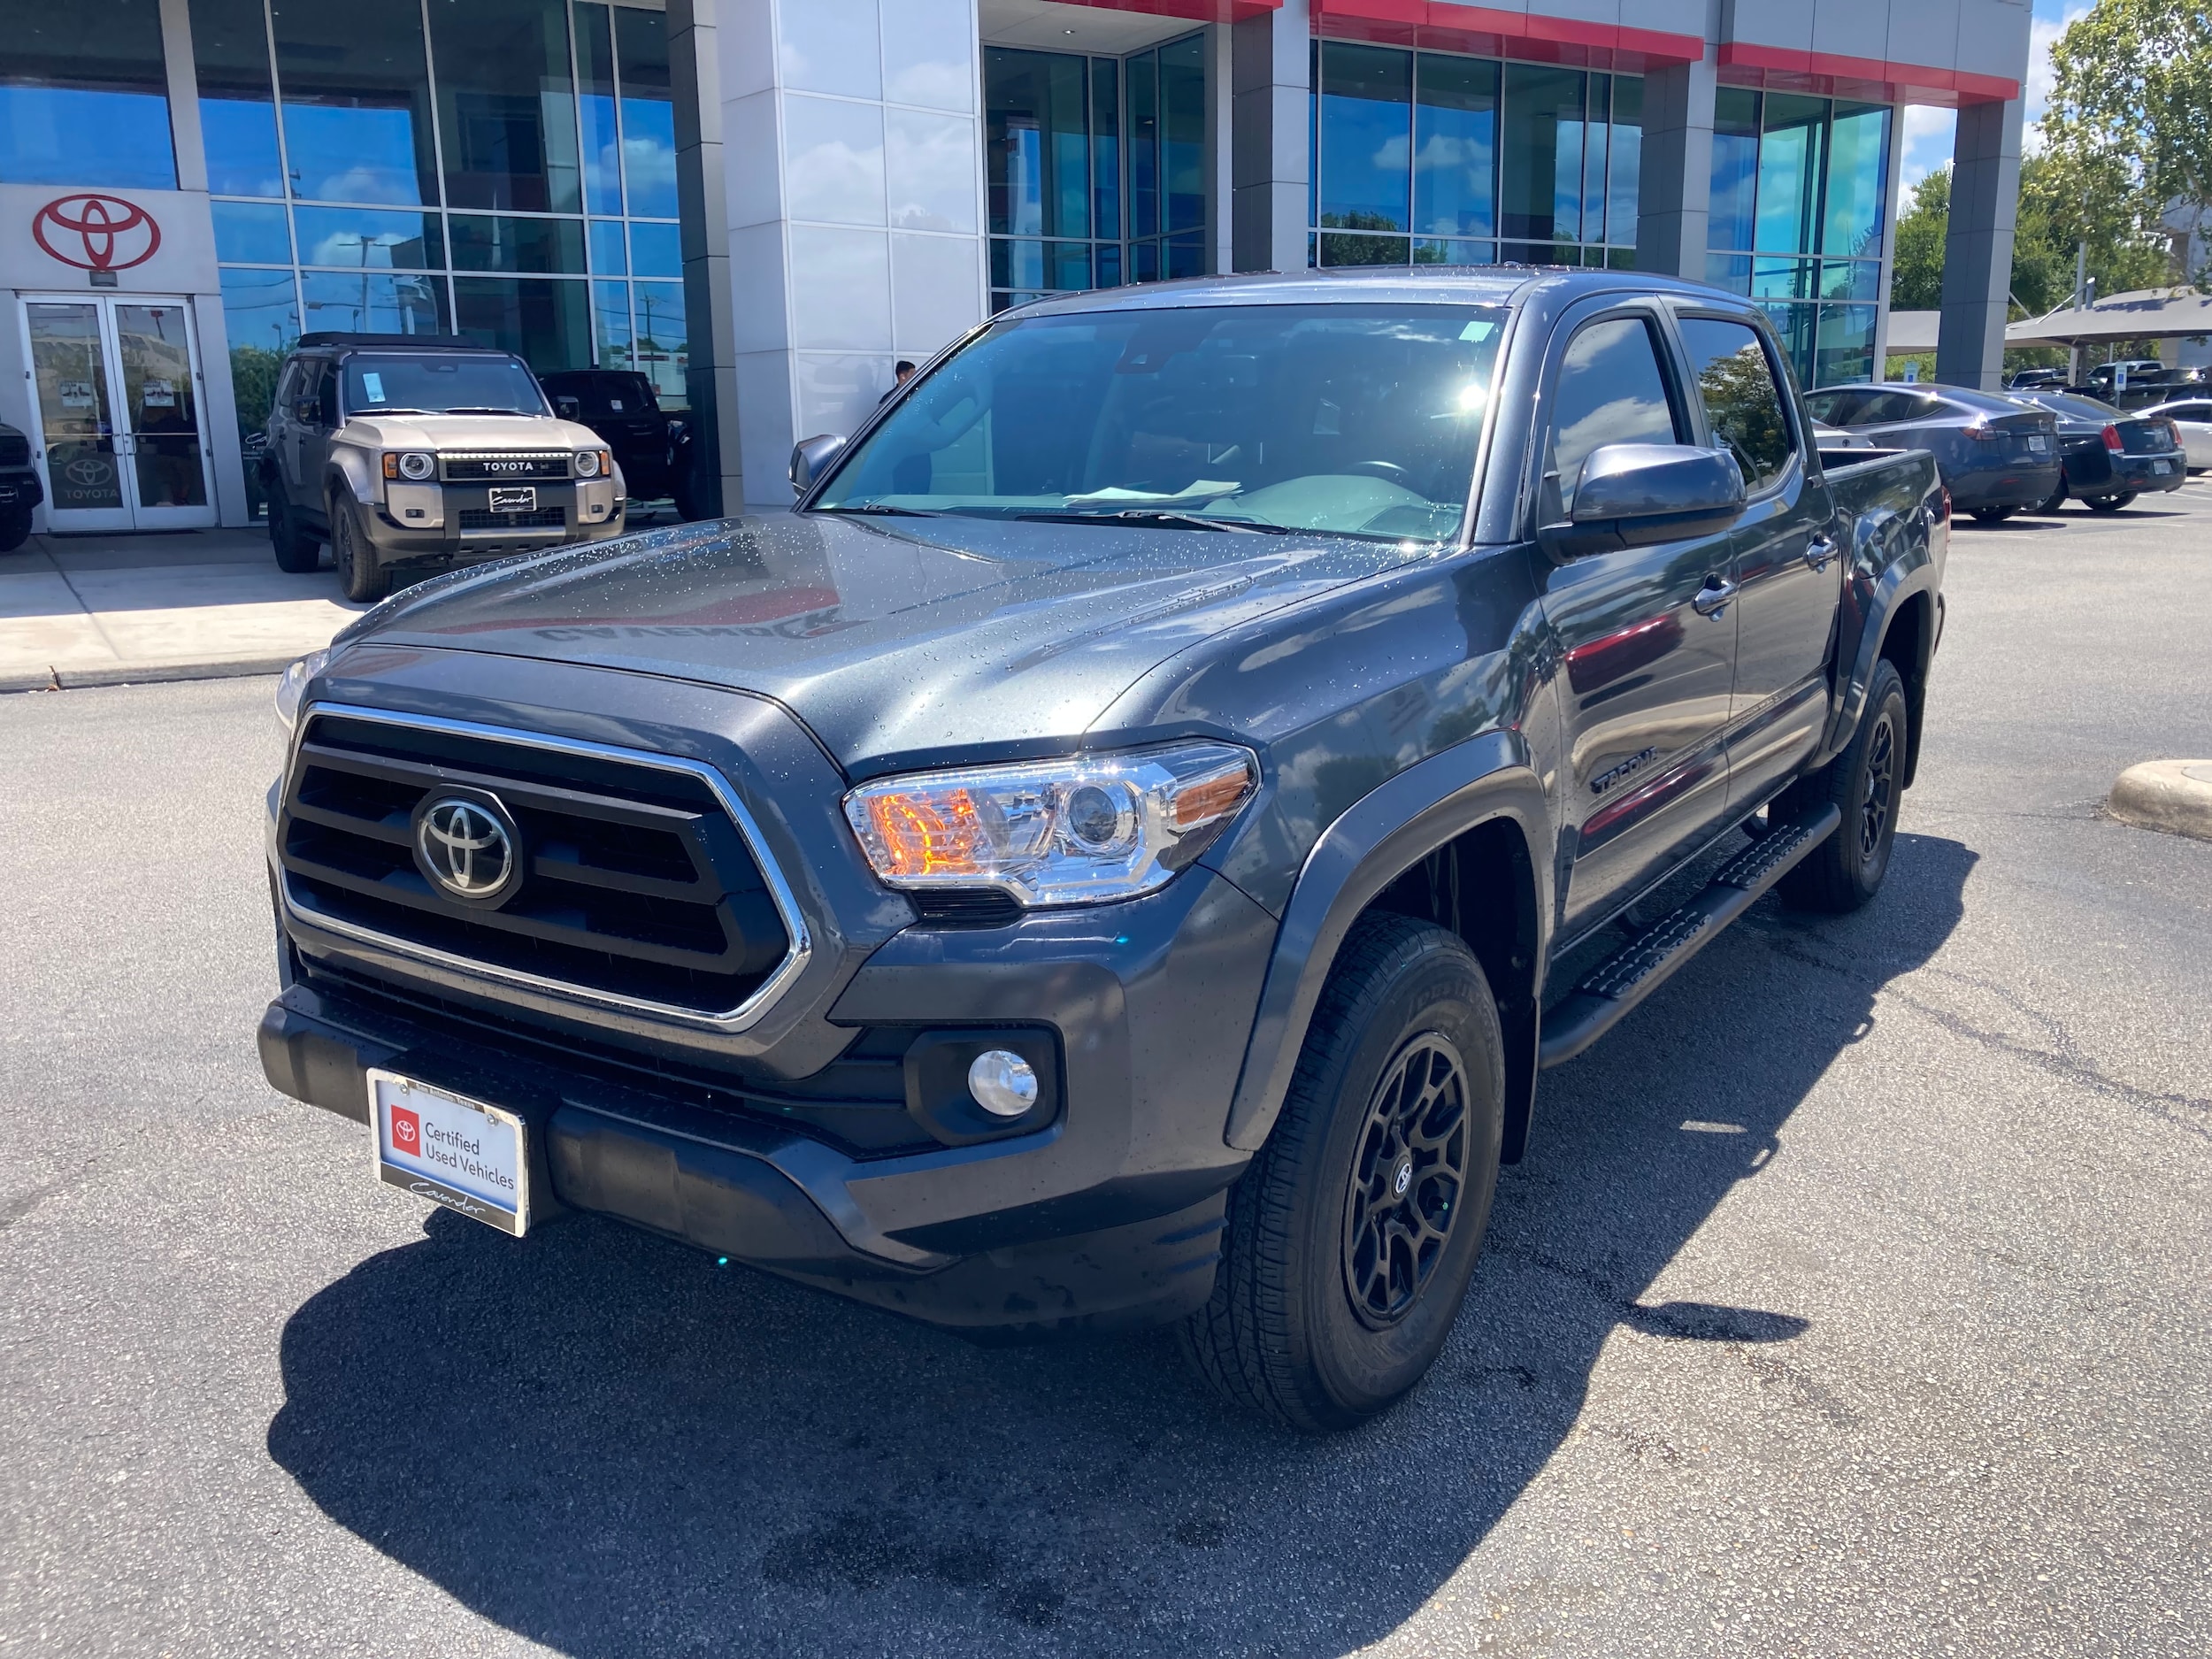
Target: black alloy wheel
x,y
2109,504
1866,782
1408,1173
363,578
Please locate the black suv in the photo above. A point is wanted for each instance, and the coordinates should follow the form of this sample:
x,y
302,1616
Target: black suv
x,y
19,488
651,446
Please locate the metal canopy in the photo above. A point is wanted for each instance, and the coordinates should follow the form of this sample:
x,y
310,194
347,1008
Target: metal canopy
x,y
2145,314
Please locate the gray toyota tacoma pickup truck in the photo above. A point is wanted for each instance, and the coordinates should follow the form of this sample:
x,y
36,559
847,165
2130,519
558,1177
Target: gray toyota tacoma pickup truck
x,y
1102,858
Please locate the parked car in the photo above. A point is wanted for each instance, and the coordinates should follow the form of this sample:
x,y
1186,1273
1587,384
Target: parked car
x,y
2192,420
2037,379
20,490
1998,456
2149,381
424,451
651,446
1104,857
2110,457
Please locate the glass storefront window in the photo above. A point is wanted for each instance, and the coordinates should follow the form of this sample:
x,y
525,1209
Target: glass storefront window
x,y
649,111
230,53
68,73
600,141
610,251
369,239
655,250
611,308
1106,148
506,104
663,352
252,233
1366,139
1794,178
537,246
1037,161
372,303
356,97
1465,149
544,320
1454,147
1183,134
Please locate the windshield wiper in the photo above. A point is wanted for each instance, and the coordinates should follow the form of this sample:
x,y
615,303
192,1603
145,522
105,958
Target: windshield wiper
x,y
885,508
484,408
1155,515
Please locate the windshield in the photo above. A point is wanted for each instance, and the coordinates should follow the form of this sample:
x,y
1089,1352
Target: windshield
x,y
1354,419
436,383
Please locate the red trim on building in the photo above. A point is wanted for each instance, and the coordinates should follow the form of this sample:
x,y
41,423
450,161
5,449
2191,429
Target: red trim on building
x,y
1488,31
1194,11
1831,75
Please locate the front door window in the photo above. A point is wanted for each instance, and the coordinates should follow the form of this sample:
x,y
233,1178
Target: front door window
x,y
121,428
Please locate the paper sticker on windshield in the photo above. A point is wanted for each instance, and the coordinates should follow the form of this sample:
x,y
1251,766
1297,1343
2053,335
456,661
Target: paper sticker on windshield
x,y
1477,331
372,383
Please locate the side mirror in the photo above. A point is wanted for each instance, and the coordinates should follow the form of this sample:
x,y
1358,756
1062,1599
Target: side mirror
x,y
567,408
1633,495
810,458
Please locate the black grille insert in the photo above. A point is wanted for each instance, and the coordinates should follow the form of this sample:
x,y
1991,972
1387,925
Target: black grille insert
x,y
15,449
485,519
502,468
637,882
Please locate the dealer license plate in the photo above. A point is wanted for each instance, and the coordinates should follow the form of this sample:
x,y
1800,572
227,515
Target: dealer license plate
x,y
514,499
454,1151
2038,445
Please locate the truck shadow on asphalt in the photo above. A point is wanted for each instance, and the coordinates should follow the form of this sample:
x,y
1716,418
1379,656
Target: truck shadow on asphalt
x,y
606,1444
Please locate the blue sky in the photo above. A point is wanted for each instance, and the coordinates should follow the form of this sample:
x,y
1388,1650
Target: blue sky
x,y
1928,131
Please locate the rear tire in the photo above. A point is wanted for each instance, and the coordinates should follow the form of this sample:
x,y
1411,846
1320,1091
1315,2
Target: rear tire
x,y
363,580
2109,504
296,552
15,528
2051,503
1353,1234
1993,515
1866,782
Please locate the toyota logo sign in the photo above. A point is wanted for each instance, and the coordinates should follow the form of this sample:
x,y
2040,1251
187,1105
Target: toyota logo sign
x,y
97,232
468,847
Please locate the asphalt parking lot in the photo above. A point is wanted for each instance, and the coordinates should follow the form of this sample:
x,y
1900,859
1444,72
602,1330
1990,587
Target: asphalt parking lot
x,y
1856,1298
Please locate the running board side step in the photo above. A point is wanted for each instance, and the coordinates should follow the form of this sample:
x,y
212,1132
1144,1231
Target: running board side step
x,y
1615,985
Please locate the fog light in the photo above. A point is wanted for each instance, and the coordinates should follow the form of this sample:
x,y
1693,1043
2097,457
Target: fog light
x,y
1003,1083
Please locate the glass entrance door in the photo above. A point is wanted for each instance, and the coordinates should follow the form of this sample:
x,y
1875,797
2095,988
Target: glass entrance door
x,y
122,438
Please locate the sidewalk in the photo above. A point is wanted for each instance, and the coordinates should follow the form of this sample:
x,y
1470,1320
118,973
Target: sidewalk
x,y
101,611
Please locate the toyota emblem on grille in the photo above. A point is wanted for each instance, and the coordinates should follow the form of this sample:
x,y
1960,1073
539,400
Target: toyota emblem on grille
x,y
467,848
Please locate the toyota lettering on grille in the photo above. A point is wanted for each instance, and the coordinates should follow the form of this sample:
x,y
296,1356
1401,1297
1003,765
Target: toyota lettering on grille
x,y
509,466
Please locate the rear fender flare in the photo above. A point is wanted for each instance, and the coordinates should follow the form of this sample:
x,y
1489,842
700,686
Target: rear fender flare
x,y
1886,592
1378,838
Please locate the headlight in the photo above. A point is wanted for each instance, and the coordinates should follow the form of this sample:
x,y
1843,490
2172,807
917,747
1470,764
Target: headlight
x,y
292,685
588,464
1079,831
415,466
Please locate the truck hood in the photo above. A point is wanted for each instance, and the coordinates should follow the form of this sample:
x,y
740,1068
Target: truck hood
x,y
499,434
893,639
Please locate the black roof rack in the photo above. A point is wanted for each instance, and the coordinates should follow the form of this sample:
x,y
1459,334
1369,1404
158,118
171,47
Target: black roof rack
x,y
442,342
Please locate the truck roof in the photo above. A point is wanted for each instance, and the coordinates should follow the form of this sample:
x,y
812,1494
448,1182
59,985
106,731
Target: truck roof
x,y
399,342
1463,285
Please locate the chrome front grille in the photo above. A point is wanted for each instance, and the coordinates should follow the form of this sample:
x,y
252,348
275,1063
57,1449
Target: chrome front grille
x,y
644,883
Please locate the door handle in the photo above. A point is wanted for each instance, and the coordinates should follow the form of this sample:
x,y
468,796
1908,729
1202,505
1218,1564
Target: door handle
x,y
1713,598
1818,551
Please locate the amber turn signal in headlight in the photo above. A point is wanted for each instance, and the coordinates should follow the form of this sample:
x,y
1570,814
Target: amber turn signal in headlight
x,y
1079,831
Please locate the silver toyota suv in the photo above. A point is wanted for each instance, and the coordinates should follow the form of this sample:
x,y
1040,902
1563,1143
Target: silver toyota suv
x,y
426,451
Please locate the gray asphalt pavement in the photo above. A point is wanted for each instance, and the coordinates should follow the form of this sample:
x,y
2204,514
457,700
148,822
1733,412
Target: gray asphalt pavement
x,y
1856,1298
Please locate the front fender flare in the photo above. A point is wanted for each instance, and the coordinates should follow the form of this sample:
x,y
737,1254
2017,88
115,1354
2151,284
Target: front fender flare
x,y
1381,837
352,466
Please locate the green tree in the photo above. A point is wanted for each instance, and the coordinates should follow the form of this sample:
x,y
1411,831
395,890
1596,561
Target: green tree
x,y
2128,135
1916,281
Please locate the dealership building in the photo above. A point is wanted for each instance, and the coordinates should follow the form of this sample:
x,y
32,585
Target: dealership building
x,y
763,204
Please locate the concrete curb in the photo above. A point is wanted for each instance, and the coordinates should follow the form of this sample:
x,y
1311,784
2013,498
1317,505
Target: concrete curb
x,y
144,674
2172,795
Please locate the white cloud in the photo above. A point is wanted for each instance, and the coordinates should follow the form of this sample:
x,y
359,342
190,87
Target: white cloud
x,y
1929,133
1928,140
2042,35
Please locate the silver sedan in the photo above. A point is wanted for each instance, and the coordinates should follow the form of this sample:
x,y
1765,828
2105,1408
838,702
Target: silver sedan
x,y
2192,418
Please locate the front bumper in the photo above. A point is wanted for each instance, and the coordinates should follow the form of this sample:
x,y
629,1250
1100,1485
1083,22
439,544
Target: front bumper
x,y
735,1141
456,521
20,490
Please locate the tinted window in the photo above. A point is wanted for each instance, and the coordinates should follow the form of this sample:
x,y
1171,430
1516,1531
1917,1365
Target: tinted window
x,y
1838,408
1742,404
1883,408
1610,391
382,380
2079,407
84,96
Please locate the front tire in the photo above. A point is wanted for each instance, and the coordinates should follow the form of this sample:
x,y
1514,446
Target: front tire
x,y
363,580
296,552
2109,504
1866,782
1352,1236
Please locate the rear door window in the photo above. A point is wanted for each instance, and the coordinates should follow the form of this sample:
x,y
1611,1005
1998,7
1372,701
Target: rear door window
x,y
1743,404
1837,409
1610,390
